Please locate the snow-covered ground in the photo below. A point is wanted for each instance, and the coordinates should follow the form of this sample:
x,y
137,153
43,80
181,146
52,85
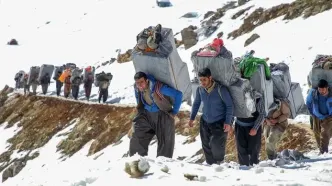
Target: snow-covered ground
x,y
87,32
106,167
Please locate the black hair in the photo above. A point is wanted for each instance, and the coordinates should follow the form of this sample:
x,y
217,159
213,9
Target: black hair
x,y
140,75
323,83
205,72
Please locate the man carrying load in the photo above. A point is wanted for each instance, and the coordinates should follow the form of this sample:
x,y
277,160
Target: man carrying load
x,y
157,105
216,120
319,103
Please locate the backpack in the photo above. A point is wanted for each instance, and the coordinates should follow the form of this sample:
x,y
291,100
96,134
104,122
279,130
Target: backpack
x,y
45,79
76,81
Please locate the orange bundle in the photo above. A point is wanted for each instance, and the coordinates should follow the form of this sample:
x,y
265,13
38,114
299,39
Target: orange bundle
x,y
64,75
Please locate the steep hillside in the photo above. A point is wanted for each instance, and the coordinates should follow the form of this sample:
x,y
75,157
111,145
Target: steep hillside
x,y
45,140
40,118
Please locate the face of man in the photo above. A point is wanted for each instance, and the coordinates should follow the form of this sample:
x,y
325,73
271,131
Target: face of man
x,y
205,81
141,84
323,91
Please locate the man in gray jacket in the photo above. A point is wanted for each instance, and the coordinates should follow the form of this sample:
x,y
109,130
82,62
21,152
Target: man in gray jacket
x,y
248,134
216,120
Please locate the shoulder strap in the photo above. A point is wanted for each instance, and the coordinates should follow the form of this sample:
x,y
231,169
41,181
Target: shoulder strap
x,y
157,88
219,91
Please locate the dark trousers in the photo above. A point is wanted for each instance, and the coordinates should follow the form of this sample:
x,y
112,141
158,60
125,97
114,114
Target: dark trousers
x,y
248,147
323,132
148,124
103,93
213,140
87,89
58,85
75,90
44,88
26,89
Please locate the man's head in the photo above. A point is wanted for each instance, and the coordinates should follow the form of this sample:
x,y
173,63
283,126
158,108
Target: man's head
x,y
141,81
252,52
205,77
323,86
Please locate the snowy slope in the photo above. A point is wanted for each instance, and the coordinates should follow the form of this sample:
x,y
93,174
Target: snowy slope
x,y
88,32
106,167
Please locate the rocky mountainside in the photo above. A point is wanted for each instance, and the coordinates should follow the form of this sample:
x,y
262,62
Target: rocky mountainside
x,y
39,118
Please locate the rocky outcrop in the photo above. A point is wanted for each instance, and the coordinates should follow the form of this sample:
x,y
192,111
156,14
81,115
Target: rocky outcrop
x,y
190,15
220,12
12,42
251,39
15,166
177,42
4,94
125,57
108,62
290,11
208,14
241,12
189,37
242,2
13,170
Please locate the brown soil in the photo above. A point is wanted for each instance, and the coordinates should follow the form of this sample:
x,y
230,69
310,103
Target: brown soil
x,y
42,117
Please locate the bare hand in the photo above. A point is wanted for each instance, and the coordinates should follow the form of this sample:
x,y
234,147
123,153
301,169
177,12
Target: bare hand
x,y
253,132
191,123
227,127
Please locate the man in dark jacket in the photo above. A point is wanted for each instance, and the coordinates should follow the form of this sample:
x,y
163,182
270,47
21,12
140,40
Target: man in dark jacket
x,y
319,103
58,83
103,90
216,120
248,134
75,86
155,116
45,82
88,81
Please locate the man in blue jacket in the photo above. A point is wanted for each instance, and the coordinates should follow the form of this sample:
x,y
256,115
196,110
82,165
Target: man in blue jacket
x,y
157,105
217,116
319,103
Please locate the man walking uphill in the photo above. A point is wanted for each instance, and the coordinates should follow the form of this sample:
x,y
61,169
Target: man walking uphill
x,y
319,103
275,125
216,120
155,116
248,134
